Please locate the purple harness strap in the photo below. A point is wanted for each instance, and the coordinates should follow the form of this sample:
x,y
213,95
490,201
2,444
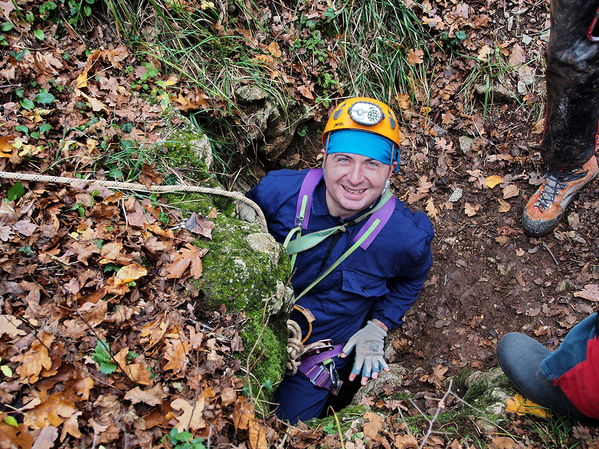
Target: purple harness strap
x,y
383,214
307,189
321,374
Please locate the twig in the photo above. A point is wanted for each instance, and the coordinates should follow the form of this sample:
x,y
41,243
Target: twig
x,y
431,422
247,361
404,421
549,251
7,86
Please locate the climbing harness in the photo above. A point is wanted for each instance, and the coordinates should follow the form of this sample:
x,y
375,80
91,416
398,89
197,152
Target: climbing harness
x,y
316,360
318,365
83,183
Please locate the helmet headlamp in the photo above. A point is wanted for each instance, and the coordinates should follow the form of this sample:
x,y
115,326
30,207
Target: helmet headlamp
x,y
366,113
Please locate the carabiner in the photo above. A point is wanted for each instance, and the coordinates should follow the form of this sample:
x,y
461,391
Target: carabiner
x,y
333,375
590,36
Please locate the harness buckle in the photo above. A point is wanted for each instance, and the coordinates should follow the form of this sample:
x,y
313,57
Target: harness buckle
x,y
333,375
327,367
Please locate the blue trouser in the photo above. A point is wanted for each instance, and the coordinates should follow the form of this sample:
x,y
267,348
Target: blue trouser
x,y
299,399
572,78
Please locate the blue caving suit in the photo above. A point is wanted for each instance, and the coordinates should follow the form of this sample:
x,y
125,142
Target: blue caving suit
x,y
381,282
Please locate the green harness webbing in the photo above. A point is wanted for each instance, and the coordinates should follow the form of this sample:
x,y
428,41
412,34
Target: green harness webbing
x,y
304,243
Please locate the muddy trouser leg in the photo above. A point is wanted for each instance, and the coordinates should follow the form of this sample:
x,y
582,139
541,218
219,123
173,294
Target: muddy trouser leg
x,y
572,79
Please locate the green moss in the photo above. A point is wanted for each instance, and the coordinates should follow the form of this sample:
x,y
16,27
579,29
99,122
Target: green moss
x,y
268,349
247,281
345,416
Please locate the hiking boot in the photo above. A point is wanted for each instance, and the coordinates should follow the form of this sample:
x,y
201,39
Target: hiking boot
x,y
546,207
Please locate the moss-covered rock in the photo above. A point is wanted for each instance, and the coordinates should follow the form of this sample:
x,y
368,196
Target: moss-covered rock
x,y
243,268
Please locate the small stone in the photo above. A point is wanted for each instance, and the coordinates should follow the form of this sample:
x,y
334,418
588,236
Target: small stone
x,y
265,243
456,195
574,220
202,149
250,93
465,144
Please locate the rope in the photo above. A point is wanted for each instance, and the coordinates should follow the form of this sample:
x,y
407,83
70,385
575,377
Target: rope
x,y
295,348
82,183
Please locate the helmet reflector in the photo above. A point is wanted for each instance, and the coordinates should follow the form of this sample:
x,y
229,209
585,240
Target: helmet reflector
x,y
365,113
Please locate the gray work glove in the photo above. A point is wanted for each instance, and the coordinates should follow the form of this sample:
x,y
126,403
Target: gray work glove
x,y
369,343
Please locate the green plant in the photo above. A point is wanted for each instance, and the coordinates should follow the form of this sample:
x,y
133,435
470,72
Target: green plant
x,y
183,440
553,432
5,369
16,191
102,357
486,74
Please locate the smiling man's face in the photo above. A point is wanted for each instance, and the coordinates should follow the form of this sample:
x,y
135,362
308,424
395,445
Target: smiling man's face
x,y
353,182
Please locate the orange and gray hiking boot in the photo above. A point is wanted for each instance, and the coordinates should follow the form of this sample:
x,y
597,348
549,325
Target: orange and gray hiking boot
x,y
546,207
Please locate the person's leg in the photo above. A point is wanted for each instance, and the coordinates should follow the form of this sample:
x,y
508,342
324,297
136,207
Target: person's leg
x,y
572,114
299,399
520,359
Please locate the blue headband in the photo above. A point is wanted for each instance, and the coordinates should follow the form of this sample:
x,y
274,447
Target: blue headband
x,y
364,143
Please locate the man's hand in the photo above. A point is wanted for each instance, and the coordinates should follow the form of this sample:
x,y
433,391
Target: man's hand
x,y
369,343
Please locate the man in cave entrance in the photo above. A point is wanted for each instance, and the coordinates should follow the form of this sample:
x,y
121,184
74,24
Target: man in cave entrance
x,y
359,255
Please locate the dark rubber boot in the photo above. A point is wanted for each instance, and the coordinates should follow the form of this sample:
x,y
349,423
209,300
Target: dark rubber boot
x,y
572,79
520,358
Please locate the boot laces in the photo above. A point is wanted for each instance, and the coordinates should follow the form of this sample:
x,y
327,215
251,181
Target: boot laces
x,y
555,182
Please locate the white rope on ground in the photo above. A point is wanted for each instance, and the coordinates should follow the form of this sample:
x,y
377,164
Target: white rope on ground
x,y
82,183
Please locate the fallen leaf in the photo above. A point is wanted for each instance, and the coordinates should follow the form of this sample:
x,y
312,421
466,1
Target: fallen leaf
x,y
175,354
405,442
130,273
504,206
274,49
242,414
7,7
46,438
53,410
151,396
431,210
257,435
471,210
305,91
493,180
415,56
503,443
522,406
71,427
199,225
5,146
191,418
590,292
189,255
373,425
36,359
510,191
517,56
149,176
9,325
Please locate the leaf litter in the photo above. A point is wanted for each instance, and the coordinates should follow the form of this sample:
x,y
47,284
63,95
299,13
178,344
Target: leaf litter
x,y
65,249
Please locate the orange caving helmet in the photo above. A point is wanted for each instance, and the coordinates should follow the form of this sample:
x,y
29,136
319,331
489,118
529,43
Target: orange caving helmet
x,y
366,114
